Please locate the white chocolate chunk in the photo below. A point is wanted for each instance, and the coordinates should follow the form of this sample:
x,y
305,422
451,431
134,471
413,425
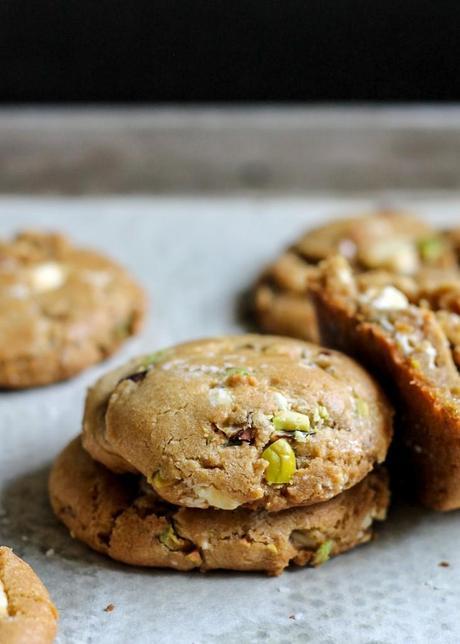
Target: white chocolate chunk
x,y
431,353
47,277
3,602
386,299
405,342
217,499
399,255
280,400
220,396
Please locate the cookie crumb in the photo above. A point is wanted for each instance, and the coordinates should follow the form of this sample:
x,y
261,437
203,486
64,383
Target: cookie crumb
x,y
49,552
24,538
292,616
443,564
109,608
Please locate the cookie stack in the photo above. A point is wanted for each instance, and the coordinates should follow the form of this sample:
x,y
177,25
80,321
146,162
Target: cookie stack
x,y
245,453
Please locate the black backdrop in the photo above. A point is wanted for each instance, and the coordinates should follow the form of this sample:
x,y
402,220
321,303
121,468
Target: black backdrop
x,y
233,50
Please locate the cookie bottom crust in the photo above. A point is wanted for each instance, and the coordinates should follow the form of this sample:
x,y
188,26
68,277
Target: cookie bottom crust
x,y
120,516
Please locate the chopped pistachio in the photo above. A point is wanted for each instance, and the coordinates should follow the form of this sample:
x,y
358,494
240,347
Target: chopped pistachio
x,y
323,553
158,481
281,462
171,540
415,363
122,330
236,371
291,421
153,358
430,249
362,408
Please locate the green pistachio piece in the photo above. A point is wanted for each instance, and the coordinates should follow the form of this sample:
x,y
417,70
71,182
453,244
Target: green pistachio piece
x,y
281,462
158,481
362,408
430,249
236,371
153,358
320,413
122,330
415,363
171,540
291,421
323,553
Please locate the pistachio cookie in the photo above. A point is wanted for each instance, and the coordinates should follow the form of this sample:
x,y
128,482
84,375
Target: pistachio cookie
x,y
61,309
259,421
408,347
121,516
27,614
396,243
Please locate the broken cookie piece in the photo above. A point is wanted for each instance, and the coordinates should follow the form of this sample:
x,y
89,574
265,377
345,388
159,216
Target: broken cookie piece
x,y
392,243
407,347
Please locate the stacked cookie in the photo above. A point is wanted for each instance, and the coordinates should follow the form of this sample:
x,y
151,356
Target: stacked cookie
x,y
245,453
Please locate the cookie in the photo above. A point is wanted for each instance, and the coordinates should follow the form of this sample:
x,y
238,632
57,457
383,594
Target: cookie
x,y
396,243
122,517
406,346
27,614
259,421
62,309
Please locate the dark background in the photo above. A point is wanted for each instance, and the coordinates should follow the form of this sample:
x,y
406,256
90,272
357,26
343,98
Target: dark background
x,y
233,50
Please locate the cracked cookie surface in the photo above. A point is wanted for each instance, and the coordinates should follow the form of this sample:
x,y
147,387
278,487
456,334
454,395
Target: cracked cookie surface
x,y
27,614
259,421
414,351
61,309
122,517
397,244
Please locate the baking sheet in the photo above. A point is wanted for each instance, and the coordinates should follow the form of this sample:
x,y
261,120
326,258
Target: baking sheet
x,y
194,257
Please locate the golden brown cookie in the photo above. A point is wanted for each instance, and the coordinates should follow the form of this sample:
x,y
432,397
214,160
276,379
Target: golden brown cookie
x,y
61,309
121,516
27,614
260,421
395,243
406,346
